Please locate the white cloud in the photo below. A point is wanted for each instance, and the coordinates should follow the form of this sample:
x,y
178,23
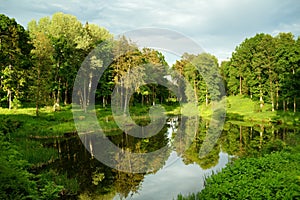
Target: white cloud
x,y
217,25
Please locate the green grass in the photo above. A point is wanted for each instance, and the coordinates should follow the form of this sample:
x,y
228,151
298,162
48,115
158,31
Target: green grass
x,y
272,176
240,108
29,149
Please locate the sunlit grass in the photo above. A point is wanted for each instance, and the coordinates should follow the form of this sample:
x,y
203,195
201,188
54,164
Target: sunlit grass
x,y
240,108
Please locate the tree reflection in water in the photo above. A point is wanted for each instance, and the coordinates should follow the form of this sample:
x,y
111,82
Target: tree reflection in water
x,y
175,167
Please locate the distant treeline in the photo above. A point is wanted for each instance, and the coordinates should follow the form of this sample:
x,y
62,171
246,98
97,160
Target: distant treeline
x,y
39,66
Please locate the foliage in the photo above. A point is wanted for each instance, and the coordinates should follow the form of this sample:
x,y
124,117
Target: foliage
x,y
16,181
265,68
273,176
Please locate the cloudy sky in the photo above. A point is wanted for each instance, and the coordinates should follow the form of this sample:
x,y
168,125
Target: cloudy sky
x,y
218,26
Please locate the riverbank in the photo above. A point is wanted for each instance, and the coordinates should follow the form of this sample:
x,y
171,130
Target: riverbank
x,y
239,108
28,135
272,176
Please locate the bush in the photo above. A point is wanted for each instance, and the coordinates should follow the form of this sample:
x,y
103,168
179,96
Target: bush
x,y
273,176
15,181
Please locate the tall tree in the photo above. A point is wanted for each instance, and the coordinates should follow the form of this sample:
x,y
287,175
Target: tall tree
x,y
71,42
287,60
15,50
42,61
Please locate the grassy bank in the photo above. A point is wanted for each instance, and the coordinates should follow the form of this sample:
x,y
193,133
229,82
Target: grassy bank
x,y
272,176
23,136
239,108
27,130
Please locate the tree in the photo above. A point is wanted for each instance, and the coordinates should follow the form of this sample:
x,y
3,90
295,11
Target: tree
x,y
69,43
263,65
15,58
42,60
287,64
201,71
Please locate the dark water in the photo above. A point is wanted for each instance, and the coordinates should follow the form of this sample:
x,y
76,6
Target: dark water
x,y
181,170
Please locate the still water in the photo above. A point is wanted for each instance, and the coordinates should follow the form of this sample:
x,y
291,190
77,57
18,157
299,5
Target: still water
x,y
181,171
175,177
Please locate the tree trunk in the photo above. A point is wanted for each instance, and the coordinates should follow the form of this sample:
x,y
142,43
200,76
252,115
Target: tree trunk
x,y
277,95
240,85
53,97
283,105
294,96
66,94
9,99
153,96
122,96
195,91
125,102
103,101
206,97
260,138
37,102
58,92
295,105
9,92
84,95
89,88
271,92
260,94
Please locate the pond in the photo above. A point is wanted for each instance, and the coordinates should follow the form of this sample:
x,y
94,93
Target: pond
x,y
180,170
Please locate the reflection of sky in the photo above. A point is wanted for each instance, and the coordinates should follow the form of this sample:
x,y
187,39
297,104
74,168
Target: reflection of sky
x,y
175,177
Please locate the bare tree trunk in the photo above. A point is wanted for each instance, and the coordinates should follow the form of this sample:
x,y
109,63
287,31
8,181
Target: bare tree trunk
x,y
103,101
283,105
58,92
84,95
240,85
89,88
9,99
66,94
37,102
153,96
122,96
125,102
260,94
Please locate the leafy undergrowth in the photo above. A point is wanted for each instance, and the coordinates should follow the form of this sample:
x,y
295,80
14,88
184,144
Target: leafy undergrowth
x,y
16,181
272,176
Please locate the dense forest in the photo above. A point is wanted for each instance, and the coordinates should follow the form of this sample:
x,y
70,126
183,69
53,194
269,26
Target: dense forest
x,y
39,65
